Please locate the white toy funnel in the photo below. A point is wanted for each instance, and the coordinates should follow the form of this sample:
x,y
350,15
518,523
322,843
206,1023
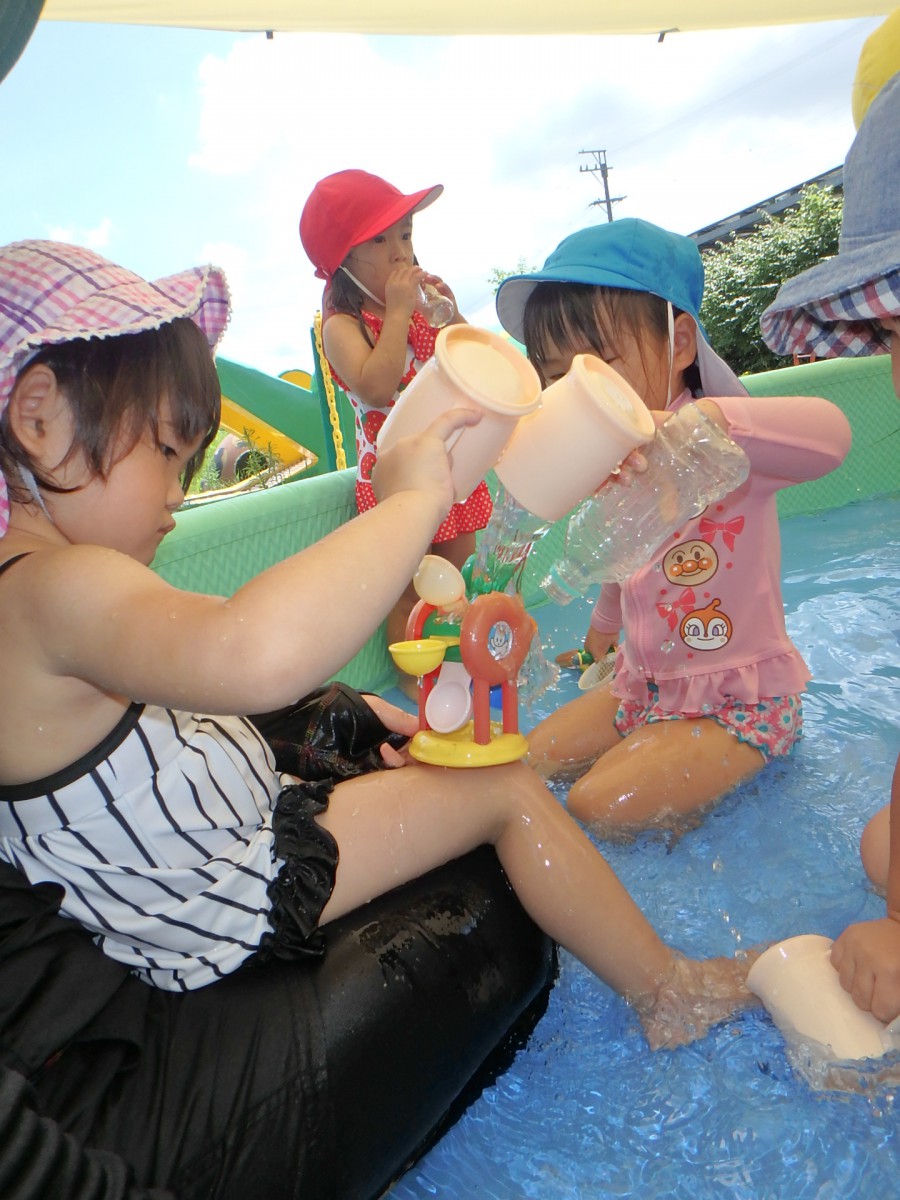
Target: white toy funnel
x,y
801,989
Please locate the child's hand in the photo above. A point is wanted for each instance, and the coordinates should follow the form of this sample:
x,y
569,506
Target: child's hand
x,y
599,643
421,462
401,290
635,463
867,959
399,722
628,469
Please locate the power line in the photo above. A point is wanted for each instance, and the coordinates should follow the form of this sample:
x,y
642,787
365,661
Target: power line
x,y
602,168
814,52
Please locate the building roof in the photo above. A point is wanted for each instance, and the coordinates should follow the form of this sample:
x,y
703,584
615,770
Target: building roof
x,y
748,219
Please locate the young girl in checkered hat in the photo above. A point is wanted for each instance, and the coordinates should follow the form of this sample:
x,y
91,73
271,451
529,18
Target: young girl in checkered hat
x,y
182,843
356,229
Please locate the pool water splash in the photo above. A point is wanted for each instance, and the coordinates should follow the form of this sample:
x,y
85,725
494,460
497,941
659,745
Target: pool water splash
x,y
878,1078
504,546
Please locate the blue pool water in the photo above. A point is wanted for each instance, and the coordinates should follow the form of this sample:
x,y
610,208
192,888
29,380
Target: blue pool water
x,y
586,1110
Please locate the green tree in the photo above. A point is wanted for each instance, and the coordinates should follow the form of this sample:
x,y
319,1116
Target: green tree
x,y
498,274
744,273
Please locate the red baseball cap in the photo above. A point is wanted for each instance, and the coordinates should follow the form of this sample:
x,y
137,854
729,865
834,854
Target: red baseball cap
x,y
347,208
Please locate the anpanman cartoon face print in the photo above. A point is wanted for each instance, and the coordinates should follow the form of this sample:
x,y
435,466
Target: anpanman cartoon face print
x,y
692,562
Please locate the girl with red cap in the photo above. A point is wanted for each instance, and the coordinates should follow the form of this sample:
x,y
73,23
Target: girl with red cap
x,y
357,230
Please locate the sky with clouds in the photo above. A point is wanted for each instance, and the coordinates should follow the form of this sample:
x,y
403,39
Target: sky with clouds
x,y
166,148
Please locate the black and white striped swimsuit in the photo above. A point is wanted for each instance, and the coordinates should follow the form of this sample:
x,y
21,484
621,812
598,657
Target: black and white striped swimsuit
x,y
162,838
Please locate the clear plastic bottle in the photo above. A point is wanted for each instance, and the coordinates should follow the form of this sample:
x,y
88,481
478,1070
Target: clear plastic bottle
x,y
437,309
690,463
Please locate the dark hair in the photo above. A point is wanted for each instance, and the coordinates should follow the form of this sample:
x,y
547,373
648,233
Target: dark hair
x,y
114,387
582,314
345,297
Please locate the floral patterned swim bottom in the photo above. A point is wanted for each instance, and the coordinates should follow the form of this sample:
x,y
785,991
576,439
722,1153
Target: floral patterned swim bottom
x,y
772,725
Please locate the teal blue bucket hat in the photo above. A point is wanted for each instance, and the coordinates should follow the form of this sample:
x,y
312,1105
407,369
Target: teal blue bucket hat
x,y
636,256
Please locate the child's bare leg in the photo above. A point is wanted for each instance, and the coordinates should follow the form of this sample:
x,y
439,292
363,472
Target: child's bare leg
x,y
879,845
660,772
574,736
875,848
394,826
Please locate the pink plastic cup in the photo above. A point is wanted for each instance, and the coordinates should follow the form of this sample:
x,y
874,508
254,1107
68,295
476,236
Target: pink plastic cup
x,y
470,368
588,422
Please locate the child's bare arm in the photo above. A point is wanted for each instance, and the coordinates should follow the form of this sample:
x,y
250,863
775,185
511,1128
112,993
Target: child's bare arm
x,y
98,616
374,372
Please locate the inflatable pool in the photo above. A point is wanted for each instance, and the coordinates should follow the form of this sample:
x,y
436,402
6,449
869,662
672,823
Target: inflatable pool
x,y
586,1111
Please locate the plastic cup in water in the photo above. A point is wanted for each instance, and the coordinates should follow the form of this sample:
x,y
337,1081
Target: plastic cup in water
x,y
802,991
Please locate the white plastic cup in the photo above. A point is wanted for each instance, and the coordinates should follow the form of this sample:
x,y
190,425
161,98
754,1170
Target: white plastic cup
x,y
588,422
802,992
471,368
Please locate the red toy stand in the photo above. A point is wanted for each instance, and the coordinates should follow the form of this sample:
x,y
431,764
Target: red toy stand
x,y
494,637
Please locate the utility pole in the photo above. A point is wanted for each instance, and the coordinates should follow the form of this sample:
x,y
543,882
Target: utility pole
x,y
600,165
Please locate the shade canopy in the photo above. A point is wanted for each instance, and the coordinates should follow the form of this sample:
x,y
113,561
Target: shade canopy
x,y
463,16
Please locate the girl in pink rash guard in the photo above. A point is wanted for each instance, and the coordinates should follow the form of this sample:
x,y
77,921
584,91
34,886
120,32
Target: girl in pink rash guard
x,y
706,686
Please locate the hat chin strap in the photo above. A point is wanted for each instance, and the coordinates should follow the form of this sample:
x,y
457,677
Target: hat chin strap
x,y
362,287
31,483
670,322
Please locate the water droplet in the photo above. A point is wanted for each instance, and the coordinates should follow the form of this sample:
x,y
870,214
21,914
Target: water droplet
x,y
667,647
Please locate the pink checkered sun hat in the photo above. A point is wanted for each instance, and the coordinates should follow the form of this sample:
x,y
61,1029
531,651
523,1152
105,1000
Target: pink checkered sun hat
x,y
52,293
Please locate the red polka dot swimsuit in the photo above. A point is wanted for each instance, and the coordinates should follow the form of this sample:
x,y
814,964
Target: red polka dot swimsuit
x,y
474,513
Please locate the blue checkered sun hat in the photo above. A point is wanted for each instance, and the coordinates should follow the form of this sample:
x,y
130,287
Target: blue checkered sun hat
x,y
633,255
834,308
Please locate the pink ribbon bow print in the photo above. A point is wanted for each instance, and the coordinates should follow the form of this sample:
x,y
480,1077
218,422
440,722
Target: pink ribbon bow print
x,y
728,529
685,603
